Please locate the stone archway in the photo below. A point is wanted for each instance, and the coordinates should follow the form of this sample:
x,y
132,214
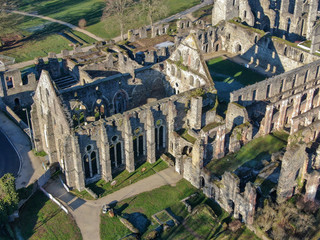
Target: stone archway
x,y
120,101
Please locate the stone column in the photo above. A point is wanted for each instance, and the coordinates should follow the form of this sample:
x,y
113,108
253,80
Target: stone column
x,y
312,186
150,128
296,107
195,113
73,163
266,128
250,195
178,165
104,154
294,126
197,154
172,113
282,114
308,105
36,128
317,103
219,143
128,143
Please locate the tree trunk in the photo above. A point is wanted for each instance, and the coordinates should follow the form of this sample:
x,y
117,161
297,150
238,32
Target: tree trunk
x,y
121,30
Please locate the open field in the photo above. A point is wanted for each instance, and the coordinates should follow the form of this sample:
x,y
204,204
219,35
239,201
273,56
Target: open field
x,y
31,31
72,11
40,218
34,37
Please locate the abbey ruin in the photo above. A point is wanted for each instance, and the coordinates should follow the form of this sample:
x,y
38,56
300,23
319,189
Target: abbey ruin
x,y
100,112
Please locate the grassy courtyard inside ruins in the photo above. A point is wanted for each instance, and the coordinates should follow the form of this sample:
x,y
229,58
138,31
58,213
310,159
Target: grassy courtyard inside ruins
x,y
40,218
207,221
250,154
124,178
229,76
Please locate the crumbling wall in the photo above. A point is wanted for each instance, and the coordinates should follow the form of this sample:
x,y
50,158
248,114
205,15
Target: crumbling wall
x,y
293,170
276,85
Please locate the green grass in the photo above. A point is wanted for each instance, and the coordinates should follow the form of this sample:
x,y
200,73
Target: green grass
x,y
83,194
102,188
203,12
73,10
207,222
147,203
250,153
233,72
210,126
38,47
184,134
40,218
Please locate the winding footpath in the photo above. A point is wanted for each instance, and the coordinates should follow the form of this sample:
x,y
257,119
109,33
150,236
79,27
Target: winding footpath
x,y
73,27
87,213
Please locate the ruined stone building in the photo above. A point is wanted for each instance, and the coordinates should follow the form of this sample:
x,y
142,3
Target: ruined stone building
x,y
100,112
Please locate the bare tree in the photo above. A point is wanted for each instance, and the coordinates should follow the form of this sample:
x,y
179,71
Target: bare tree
x,y
155,9
118,8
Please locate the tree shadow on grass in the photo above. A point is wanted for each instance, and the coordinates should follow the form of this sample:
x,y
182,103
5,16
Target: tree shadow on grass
x,y
31,216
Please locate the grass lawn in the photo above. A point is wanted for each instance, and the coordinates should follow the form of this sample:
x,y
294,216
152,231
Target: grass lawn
x,y
184,134
71,11
207,221
40,218
250,153
38,47
39,38
103,188
91,10
147,203
227,71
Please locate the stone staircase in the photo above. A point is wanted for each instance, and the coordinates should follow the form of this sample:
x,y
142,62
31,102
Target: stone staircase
x,y
65,82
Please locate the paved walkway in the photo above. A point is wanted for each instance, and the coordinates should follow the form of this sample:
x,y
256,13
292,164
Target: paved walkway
x,y
31,168
87,213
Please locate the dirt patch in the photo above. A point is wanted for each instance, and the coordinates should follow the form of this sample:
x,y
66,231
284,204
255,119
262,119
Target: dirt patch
x,y
11,39
148,44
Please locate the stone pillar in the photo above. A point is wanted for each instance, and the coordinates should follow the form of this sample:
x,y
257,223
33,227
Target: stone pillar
x,y
219,143
151,147
73,163
197,154
172,113
312,186
294,126
312,17
317,103
36,129
128,143
104,154
308,105
179,166
250,195
195,113
296,107
282,114
266,127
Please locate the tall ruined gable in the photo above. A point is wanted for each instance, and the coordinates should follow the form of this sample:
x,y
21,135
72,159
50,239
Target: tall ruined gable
x,y
186,67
